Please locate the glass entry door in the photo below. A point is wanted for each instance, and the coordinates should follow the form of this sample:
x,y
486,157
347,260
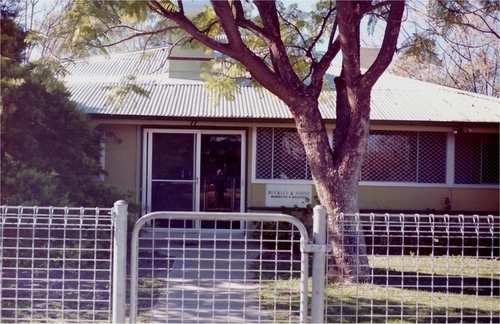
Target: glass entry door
x,y
172,183
194,170
220,174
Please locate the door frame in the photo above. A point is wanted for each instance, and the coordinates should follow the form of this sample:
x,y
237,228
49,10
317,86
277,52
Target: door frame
x,y
147,150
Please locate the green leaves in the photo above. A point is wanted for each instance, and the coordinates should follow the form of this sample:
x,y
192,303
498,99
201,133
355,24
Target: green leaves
x,y
208,22
93,27
482,15
46,138
421,46
220,87
133,11
123,94
49,150
12,46
47,72
455,43
449,13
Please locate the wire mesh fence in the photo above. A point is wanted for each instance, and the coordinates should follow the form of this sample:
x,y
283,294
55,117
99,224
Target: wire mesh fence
x,y
190,275
423,269
56,264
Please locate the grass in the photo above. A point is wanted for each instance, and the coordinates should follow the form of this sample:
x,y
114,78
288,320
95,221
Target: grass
x,y
58,274
151,284
403,289
149,289
53,294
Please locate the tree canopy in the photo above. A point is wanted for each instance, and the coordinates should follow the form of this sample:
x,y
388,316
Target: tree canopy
x,y
453,43
277,47
50,151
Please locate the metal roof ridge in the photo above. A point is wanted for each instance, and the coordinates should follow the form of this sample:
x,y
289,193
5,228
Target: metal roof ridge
x,y
117,55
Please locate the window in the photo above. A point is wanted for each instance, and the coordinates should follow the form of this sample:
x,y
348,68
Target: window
x,y
397,156
392,156
102,157
476,158
280,155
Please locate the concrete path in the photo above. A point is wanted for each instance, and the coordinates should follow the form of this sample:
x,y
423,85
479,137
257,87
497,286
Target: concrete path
x,y
208,283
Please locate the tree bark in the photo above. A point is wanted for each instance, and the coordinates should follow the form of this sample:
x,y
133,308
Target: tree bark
x,y
350,140
335,173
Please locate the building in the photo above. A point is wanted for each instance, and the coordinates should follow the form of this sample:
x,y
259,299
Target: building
x,y
431,147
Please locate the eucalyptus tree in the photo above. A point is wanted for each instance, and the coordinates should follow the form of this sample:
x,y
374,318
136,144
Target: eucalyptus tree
x,y
286,51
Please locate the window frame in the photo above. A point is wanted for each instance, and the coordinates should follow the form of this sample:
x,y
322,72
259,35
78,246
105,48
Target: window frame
x,y
481,165
449,165
418,153
254,160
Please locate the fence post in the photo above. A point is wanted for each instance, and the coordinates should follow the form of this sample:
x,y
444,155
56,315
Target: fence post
x,y
120,215
319,265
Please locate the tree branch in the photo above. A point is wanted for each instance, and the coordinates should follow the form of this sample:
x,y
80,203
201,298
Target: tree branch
x,y
349,18
184,23
323,65
279,58
389,43
225,14
476,13
297,31
150,33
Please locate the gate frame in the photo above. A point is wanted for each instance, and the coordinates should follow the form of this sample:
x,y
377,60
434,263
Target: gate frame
x,y
120,216
306,247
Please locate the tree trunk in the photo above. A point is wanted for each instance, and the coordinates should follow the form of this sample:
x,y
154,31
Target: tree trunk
x,y
336,175
350,140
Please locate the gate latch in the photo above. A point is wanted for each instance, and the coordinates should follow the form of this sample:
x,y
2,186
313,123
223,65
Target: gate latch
x,y
311,248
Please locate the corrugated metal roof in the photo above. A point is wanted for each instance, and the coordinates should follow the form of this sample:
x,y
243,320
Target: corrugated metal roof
x,y
150,66
397,98
393,98
179,100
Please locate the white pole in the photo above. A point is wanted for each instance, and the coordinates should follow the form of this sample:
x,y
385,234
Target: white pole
x,y
319,265
120,215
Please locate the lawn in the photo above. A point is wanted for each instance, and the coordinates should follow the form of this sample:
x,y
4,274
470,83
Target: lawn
x,y
403,289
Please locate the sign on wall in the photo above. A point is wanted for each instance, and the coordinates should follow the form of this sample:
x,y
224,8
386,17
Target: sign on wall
x,y
278,195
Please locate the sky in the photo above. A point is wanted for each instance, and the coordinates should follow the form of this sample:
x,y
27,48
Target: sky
x,y
369,41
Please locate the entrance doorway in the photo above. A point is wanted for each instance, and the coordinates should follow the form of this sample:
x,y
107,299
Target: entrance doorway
x,y
194,170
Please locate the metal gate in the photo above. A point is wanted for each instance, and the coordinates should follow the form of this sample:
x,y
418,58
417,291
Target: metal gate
x,y
194,275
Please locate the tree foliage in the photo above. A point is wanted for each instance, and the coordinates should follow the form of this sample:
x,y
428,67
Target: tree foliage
x,y
453,43
50,150
286,51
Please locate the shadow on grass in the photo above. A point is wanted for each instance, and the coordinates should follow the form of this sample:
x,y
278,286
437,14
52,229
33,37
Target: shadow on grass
x,y
350,309
479,286
397,296
280,266
152,273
